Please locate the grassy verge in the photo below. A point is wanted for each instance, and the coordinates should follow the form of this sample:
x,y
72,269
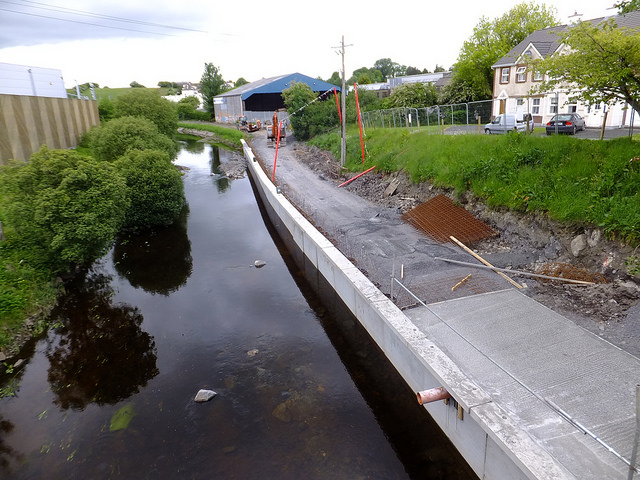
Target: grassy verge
x,y
572,180
226,135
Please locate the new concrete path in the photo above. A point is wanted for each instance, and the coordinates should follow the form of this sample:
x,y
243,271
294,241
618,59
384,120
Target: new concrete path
x,y
571,392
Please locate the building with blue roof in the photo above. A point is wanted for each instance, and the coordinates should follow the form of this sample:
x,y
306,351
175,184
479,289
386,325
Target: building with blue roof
x,y
258,100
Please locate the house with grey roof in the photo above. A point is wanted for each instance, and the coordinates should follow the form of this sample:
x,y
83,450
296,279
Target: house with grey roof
x,y
258,100
514,84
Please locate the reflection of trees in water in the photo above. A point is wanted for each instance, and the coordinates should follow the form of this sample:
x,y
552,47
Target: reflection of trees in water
x,y
102,356
6,452
158,262
193,146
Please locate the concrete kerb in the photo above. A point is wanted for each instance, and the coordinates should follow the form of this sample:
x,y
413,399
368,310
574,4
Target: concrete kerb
x,y
420,362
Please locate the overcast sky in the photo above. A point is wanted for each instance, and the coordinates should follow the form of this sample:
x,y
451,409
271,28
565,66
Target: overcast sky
x,y
117,42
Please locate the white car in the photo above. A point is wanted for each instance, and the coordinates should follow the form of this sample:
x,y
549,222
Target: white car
x,y
507,122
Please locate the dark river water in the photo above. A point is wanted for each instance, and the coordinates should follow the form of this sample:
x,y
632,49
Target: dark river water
x,y
301,390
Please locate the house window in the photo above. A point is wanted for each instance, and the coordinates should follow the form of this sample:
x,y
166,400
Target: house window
x,y
554,105
537,76
519,102
504,74
521,75
535,109
573,108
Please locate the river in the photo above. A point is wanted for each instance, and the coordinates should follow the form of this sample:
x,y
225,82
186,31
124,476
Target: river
x,y
302,392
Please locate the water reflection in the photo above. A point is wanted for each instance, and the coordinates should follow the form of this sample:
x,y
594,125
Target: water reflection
x,y
222,182
158,262
101,354
6,452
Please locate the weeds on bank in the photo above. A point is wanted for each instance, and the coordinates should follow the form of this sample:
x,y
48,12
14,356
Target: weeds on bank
x,y
572,180
227,135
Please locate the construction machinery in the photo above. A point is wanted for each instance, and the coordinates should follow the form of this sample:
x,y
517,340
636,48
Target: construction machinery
x,y
272,132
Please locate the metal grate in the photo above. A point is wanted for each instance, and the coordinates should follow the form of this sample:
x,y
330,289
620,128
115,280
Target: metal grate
x,y
439,218
566,270
440,290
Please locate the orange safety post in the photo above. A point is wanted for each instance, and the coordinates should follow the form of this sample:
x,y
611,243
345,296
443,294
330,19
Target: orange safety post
x,y
335,92
273,177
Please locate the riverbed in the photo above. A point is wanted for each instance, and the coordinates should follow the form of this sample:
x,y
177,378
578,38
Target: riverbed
x,y
301,392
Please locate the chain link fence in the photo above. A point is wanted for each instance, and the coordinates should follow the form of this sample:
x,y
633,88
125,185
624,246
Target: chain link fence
x,y
434,119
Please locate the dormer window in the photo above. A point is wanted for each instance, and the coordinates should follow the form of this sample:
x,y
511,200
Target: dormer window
x,y
521,74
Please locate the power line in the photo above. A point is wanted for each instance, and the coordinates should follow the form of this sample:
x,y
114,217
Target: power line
x,y
85,23
83,13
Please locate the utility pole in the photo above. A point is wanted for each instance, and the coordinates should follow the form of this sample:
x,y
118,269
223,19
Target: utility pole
x,y
343,146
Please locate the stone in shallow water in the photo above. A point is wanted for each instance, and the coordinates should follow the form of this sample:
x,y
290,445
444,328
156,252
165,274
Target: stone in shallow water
x,y
259,263
204,396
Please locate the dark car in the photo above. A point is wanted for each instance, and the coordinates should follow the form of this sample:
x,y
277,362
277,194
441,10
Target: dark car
x,y
566,123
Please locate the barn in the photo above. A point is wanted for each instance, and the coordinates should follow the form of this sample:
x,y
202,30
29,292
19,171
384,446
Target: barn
x,y
258,100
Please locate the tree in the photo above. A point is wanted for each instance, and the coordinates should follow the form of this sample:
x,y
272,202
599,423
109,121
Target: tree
x,y
154,187
415,95
389,68
65,206
211,84
413,71
241,81
365,76
598,63
626,6
150,105
135,84
115,138
296,97
492,40
335,79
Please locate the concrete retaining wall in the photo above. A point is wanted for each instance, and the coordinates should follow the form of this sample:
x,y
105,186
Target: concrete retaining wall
x,y
27,123
486,436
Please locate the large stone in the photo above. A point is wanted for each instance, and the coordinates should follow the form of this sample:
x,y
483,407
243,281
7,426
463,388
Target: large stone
x,y
204,396
578,244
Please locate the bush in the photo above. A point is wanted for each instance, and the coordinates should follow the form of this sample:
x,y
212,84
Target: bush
x,y
116,137
66,207
155,189
141,102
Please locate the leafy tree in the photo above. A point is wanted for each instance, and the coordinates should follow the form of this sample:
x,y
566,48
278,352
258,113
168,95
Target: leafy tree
x,y
335,79
190,100
154,187
413,71
626,6
150,105
241,81
135,84
106,109
598,63
365,76
314,118
416,95
438,69
66,207
211,84
115,138
389,68
491,40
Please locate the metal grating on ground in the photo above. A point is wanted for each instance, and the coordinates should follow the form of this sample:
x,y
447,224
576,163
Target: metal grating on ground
x,y
440,290
566,270
439,218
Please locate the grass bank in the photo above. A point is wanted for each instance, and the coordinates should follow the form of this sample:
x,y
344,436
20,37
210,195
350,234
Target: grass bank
x,y
226,135
573,180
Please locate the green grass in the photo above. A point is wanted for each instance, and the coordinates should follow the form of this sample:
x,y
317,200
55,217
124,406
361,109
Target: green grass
x,y
572,180
226,135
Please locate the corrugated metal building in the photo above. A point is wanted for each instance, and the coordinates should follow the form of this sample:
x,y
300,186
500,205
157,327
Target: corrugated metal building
x,y
32,81
258,100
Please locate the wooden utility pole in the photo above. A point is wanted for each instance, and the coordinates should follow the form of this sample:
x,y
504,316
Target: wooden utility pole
x,y
343,145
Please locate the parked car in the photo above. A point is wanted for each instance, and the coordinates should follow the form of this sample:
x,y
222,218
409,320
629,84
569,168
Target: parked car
x,y
566,123
507,122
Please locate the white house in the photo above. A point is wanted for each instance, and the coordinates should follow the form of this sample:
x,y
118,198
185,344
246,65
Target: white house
x,y
514,83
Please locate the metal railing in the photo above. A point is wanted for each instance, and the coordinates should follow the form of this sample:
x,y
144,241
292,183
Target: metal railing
x,y
434,119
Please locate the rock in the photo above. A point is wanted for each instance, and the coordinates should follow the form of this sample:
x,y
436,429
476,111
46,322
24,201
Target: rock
x,y
281,412
391,188
204,396
3,357
578,244
259,263
253,352
594,239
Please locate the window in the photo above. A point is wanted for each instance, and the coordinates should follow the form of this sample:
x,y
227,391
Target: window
x,y
537,76
504,75
521,74
535,109
554,105
519,102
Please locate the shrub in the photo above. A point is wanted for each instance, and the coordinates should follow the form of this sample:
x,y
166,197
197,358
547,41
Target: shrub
x,y
155,189
140,102
116,137
65,206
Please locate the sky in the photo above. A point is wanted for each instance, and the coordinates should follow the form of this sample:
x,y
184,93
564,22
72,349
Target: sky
x,y
120,41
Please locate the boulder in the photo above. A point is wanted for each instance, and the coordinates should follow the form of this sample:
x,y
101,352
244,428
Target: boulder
x,y
204,396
